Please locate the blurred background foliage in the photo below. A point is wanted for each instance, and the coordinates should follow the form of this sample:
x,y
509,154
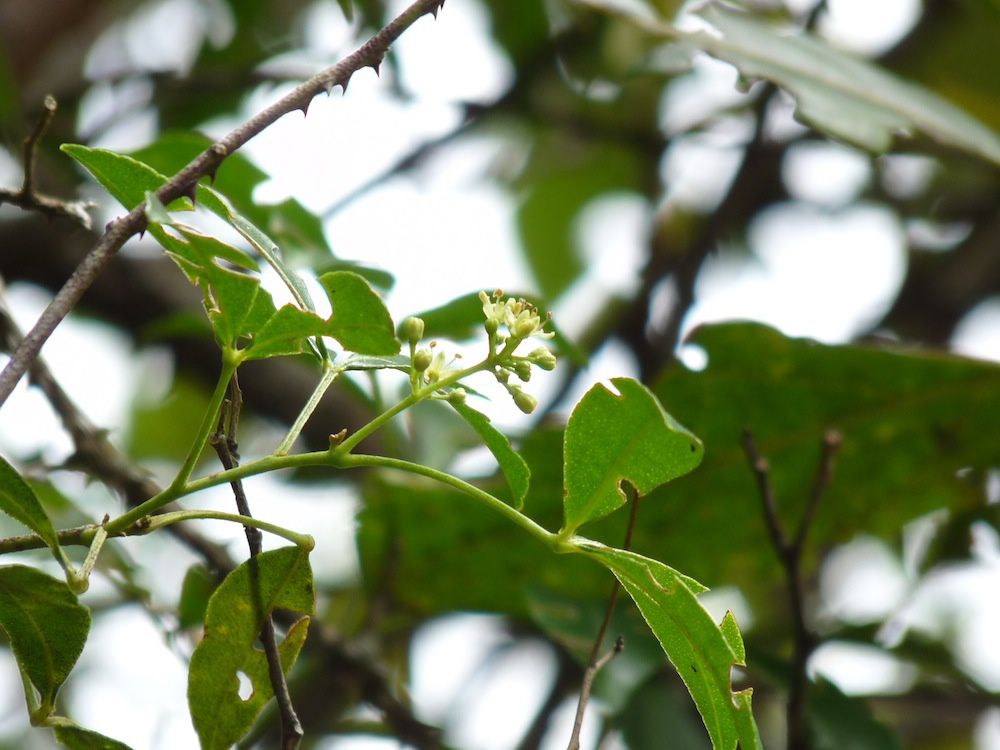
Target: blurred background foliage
x,y
588,112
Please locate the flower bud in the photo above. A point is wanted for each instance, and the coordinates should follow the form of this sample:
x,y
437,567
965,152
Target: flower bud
x,y
543,358
457,396
412,329
422,360
522,368
523,401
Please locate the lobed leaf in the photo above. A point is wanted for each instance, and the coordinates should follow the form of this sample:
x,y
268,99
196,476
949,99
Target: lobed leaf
x,y
614,437
702,652
236,612
360,322
514,468
47,630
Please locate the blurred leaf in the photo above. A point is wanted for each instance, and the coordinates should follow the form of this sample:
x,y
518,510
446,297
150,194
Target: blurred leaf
x,y
574,624
19,501
360,320
616,437
514,468
431,549
47,629
236,612
70,735
839,722
839,94
562,177
196,590
162,429
910,421
702,652
127,179
656,712
948,52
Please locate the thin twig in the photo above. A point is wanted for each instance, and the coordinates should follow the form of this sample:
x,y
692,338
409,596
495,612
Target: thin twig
x,y
185,181
27,197
789,551
596,662
224,442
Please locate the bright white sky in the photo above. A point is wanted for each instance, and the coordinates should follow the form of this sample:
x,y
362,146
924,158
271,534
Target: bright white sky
x,y
448,233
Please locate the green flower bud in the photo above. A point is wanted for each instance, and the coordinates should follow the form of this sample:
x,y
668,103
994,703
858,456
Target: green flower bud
x,y
543,358
522,368
412,329
422,360
457,396
491,326
523,401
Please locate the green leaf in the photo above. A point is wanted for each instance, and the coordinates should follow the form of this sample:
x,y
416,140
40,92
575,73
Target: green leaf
x,y
127,179
702,652
74,737
20,502
514,468
277,579
47,629
360,320
613,437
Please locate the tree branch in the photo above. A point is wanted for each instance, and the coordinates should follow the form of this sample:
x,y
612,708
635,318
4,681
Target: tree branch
x,y
224,442
185,181
789,551
30,199
596,662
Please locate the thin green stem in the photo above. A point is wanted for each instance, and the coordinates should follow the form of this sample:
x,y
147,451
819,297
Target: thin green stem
x,y
229,364
539,532
330,374
166,519
417,396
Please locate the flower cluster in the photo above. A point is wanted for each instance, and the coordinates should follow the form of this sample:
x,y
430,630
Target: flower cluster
x,y
521,321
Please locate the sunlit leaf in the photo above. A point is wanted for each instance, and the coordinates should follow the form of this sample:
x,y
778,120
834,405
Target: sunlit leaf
x,y
702,652
46,627
360,322
277,579
613,437
514,468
